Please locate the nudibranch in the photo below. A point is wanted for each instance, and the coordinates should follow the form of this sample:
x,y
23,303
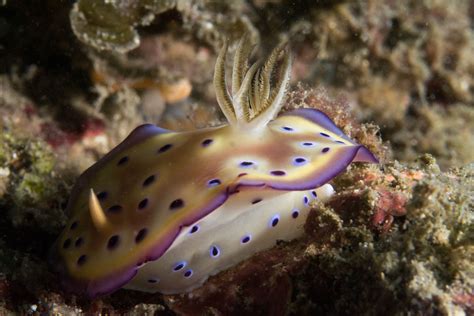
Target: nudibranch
x,y
165,210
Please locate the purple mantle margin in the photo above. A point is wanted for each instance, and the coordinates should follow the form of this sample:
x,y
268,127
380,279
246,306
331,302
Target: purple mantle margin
x,y
116,280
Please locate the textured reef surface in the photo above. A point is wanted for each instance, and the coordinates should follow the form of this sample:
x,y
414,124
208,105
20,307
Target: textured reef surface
x,y
396,76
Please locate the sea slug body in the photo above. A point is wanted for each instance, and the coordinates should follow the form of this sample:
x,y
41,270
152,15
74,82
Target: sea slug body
x,y
165,210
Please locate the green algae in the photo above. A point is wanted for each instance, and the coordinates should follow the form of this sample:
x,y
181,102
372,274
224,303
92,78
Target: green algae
x,y
32,196
34,191
111,25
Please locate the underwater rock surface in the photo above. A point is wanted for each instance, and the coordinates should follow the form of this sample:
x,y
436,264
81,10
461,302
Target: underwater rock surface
x,y
397,238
